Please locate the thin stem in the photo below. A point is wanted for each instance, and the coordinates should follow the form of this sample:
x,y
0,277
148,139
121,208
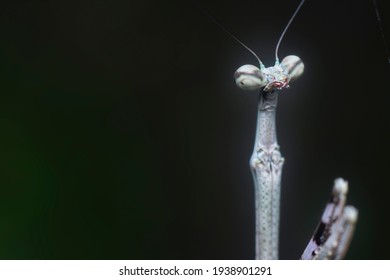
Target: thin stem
x,y
266,164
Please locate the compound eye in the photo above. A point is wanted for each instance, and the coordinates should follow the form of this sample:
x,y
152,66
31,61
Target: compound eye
x,y
249,77
294,66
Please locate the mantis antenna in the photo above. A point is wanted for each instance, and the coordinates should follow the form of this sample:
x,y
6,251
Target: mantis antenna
x,y
285,29
245,46
381,30
230,34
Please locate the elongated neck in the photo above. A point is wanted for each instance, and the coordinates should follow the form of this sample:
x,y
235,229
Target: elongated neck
x,y
266,128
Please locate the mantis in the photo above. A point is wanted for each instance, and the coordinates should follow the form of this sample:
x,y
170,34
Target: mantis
x,y
333,235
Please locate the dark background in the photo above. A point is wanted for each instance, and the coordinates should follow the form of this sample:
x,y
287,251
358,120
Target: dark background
x,y
123,135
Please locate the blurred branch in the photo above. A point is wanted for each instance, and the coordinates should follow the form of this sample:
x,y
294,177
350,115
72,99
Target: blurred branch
x,y
334,233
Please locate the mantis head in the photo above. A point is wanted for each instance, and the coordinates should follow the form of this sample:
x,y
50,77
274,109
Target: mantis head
x,y
250,77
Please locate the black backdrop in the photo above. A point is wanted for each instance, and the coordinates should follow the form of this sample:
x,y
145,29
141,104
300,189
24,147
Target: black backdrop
x,y
123,135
